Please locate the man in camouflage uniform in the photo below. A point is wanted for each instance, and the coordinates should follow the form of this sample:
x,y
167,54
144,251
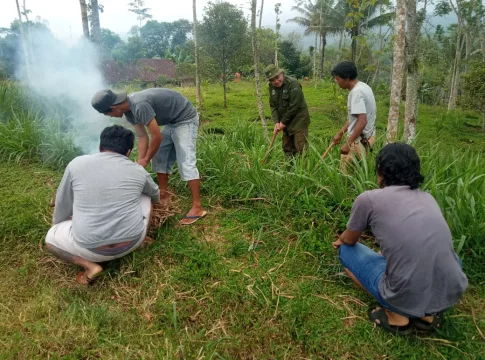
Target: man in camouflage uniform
x,y
289,110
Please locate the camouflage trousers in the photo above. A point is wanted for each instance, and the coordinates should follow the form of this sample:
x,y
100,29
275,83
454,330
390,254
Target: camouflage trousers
x,y
295,144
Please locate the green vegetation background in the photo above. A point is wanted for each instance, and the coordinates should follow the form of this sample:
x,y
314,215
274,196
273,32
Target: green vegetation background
x,y
256,279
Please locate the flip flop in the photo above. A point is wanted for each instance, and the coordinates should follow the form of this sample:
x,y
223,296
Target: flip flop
x,y
380,315
437,323
194,218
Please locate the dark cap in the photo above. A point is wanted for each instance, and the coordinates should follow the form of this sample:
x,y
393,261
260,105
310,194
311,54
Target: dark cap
x,y
103,99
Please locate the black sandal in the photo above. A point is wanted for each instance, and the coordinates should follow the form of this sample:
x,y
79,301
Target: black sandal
x,y
380,314
437,323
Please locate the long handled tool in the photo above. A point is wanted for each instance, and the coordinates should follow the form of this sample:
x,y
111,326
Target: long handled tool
x,y
325,154
270,147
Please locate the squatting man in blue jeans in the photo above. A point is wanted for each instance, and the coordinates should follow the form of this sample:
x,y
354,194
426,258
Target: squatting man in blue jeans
x,y
149,109
418,276
109,199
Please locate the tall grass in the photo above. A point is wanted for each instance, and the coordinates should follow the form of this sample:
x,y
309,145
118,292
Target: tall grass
x,y
304,193
307,192
28,131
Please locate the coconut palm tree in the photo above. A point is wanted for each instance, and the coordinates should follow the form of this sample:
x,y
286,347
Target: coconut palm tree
x,y
325,17
315,17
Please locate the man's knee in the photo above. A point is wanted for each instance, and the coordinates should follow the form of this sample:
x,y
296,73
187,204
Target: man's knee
x,y
342,253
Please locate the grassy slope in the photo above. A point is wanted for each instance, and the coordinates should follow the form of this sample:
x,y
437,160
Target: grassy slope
x,y
237,285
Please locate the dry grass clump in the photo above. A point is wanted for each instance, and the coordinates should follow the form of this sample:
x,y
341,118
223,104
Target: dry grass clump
x,y
162,211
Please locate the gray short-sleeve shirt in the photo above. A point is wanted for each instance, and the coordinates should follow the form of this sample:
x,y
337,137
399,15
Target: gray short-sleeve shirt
x,y
361,101
423,275
165,105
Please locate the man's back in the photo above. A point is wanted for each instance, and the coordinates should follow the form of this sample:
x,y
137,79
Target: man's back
x,y
165,105
407,224
104,190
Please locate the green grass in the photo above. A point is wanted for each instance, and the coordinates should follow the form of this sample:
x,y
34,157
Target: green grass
x,y
256,279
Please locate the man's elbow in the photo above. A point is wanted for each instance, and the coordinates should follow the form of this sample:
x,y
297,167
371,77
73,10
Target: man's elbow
x,y
156,136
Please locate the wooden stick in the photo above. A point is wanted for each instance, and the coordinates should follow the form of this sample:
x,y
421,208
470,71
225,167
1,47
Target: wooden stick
x,y
325,154
270,147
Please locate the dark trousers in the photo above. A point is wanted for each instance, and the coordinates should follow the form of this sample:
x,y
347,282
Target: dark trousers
x,y
296,143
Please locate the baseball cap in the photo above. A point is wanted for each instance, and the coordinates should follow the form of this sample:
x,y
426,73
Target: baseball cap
x,y
103,99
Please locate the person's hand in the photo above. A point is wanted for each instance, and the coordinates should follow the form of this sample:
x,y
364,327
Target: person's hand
x,y
143,162
345,149
276,128
338,138
337,244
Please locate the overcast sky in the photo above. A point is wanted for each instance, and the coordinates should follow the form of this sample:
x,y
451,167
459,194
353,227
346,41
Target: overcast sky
x,y
64,16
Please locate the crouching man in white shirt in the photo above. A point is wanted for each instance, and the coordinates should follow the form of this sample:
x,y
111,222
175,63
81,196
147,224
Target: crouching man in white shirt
x,y
109,199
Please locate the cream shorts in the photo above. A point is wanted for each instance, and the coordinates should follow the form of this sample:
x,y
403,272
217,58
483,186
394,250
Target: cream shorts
x,y
60,235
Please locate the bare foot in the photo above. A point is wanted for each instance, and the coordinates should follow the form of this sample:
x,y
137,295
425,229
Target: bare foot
x,y
87,276
393,318
147,242
428,319
164,203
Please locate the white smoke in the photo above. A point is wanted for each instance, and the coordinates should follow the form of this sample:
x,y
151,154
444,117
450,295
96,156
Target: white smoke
x,y
66,77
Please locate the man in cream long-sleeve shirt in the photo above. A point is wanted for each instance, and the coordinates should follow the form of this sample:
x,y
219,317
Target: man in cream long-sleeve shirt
x,y
109,199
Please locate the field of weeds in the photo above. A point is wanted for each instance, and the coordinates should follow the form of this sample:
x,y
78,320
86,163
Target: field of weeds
x,y
257,278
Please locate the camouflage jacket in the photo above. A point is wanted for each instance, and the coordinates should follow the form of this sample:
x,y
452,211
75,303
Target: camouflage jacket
x,y
288,105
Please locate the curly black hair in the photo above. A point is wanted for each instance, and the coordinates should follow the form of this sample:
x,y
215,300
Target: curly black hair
x,y
399,164
346,70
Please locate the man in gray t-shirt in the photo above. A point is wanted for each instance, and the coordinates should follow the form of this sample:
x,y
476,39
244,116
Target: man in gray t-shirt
x,y
109,199
148,110
361,113
418,275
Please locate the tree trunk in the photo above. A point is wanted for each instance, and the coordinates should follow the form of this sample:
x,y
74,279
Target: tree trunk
x,y
322,53
257,77
224,76
455,80
341,37
355,33
95,25
468,50
25,12
261,14
198,94
225,91
412,40
84,17
397,70
315,61
23,41
479,26
319,52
